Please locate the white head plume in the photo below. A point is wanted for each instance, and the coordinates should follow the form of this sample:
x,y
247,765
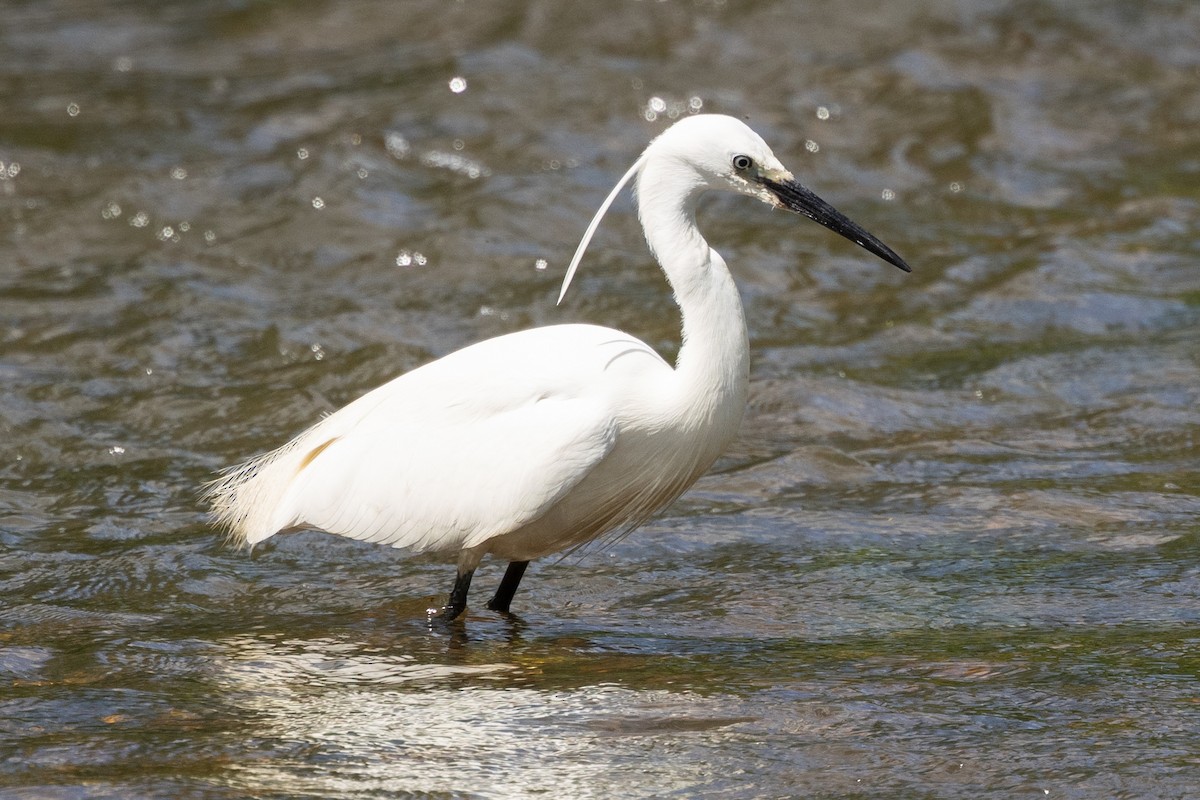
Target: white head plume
x,y
587,235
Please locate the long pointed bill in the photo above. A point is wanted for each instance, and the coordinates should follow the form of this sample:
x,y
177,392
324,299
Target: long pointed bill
x,y
794,197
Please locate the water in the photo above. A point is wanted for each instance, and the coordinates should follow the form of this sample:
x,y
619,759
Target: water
x,y
952,553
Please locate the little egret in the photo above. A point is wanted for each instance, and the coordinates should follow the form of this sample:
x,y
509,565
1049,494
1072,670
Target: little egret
x,y
543,440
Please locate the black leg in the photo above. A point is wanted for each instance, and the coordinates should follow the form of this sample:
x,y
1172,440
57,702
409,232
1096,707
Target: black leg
x,y
508,586
458,598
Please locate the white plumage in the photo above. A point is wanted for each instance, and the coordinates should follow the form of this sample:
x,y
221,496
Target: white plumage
x,y
534,442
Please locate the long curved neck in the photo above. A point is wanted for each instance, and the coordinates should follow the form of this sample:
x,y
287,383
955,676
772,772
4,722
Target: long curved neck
x,y
714,358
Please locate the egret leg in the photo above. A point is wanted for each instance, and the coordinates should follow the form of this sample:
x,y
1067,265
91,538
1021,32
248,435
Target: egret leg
x,y
458,597
508,586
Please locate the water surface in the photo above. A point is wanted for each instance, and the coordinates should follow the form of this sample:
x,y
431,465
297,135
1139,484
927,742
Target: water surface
x,y
952,553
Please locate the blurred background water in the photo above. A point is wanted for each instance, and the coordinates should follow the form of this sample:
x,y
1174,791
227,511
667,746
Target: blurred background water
x,y
952,554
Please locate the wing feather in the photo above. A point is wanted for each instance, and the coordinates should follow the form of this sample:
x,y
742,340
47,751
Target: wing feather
x,y
438,487
446,456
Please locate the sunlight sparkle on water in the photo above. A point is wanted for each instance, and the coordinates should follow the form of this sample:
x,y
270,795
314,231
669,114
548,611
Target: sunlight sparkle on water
x,y
673,109
411,258
455,163
397,146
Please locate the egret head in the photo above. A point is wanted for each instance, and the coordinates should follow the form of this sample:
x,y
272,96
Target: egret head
x,y
714,151
726,154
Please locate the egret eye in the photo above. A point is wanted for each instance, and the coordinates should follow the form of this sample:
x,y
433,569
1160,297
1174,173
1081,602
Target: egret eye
x,y
742,163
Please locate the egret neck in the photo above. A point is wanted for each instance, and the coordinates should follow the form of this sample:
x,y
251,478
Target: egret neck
x,y
713,366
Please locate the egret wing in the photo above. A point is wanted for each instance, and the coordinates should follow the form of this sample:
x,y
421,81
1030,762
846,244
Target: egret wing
x,y
435,485
475,444
446,480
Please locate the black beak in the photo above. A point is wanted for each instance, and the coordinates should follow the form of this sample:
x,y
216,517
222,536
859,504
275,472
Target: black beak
x,y
796,198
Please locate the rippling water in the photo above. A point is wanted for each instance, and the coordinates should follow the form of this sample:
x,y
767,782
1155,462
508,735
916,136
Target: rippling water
x,y
952,554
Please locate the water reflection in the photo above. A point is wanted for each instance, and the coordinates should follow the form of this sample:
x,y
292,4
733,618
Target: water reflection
x,y
328,664
394,725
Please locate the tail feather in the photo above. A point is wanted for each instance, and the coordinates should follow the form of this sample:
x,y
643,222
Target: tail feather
x,y
244,500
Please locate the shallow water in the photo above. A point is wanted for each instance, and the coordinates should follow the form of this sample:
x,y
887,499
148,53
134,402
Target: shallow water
x,y
952,554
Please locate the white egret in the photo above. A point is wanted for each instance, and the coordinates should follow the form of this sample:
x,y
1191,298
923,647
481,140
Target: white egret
x,y
539,441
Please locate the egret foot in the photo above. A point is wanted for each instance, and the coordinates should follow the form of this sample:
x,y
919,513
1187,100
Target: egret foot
x,y
457,602
508,586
